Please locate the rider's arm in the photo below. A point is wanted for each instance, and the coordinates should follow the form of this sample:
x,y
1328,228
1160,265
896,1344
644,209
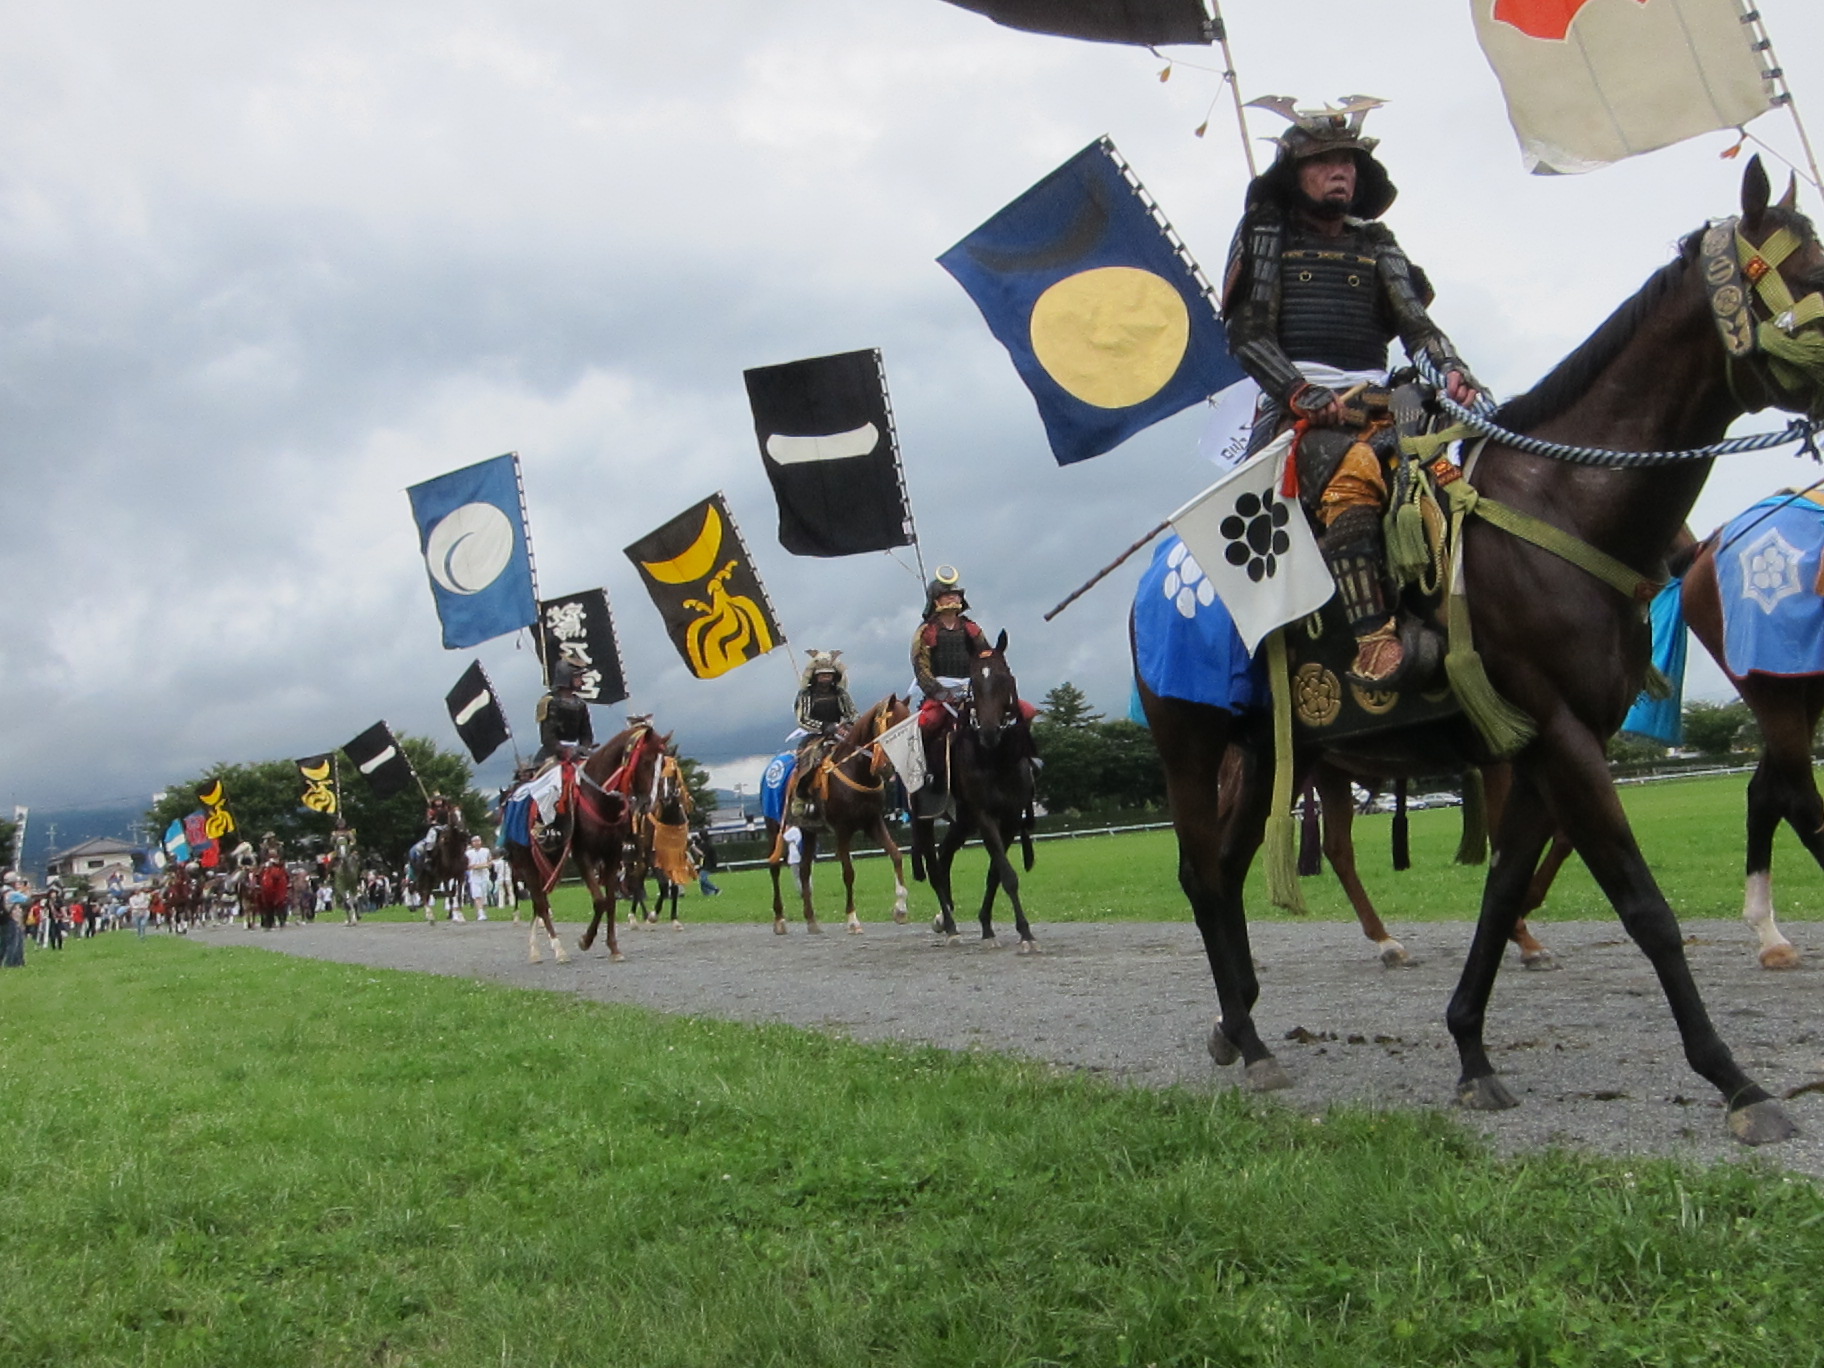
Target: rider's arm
x,y
1250,309
1409,295
921,665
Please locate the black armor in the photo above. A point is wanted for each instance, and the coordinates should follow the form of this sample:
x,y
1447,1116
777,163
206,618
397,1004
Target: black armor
x,y
563,719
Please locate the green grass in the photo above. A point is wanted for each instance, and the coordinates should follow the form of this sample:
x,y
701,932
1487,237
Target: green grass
x,y
226,1157
1692,831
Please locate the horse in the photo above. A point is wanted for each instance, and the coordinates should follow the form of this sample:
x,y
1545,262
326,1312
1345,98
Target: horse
x,y
609,785
851,790
991,786
443,866
1566,649
659,848
345,873
183,895
1782,788
1332,781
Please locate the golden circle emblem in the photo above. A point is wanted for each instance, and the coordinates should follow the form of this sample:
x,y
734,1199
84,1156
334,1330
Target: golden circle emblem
x,y
1317,695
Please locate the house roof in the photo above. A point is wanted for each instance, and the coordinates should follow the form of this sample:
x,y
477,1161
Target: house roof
x,y
97,845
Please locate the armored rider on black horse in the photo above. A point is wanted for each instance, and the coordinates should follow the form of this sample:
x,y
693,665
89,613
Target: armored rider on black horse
x,y
1316,288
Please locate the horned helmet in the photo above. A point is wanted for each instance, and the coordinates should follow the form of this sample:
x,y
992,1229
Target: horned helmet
x,y
824,662
1314,132
567,669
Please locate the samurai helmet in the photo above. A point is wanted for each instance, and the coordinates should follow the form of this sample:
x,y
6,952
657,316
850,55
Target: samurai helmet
x,y
825,662
947,581
567,669
1332,128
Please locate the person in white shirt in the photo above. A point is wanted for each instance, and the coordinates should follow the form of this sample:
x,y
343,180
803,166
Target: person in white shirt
x,y
480,860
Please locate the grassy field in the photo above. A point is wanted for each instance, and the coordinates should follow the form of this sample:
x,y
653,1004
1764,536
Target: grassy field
x,y
226,1157
1691,830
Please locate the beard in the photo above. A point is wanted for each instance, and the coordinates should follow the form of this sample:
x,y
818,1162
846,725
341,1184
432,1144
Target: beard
x,y
1328,210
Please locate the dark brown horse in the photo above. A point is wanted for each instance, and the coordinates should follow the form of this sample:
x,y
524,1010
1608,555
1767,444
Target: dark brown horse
x,y
442,866
991,786
851,789
1564,647
1783,789
659,848
612,785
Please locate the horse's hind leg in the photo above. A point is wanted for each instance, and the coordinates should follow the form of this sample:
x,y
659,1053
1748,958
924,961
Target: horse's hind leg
x,y
1783,788
848,881
807,858
1534,953
938,870
1338,800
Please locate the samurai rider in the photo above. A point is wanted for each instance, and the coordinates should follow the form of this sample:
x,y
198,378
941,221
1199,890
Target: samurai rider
x,y
946,641
1316,288
823,709
563,716
439,812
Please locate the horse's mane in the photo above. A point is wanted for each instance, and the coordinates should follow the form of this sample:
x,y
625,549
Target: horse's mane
x,y
1572,377
861,731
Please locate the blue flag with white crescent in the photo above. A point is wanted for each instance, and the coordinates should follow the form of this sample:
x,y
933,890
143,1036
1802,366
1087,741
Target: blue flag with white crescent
x,y
477,552
1107,318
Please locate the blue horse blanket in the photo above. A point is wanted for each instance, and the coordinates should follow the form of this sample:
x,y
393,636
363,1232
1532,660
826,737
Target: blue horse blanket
x,y
1185,645
1663,719
772,786
1767,563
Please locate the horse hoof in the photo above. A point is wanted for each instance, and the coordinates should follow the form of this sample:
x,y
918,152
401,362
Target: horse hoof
x,y
1782,956
1761,1123
1266,1075
953,938
814,928
1541,961
1028,947
1393,954
854,928
618,957
899,916
1221,1048
534,958
588,939
1486,1093
990,942
779,926
937,923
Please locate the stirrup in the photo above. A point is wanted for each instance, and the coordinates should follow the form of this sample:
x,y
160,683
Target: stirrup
x,y
1400,654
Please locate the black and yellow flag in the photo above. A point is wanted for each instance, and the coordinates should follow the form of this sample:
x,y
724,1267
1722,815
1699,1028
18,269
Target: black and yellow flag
x,y
218,822
706,588
319,790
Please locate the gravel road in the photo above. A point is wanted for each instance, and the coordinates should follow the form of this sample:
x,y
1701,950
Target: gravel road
x,y
1590,1049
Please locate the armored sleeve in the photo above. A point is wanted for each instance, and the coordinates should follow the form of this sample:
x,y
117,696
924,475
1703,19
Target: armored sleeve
x,y
1250,308
803,711
921,664
1408,294
585,726
848,705
549,728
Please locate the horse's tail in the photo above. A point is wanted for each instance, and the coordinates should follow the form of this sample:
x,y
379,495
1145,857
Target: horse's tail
x,y
919,829
1026,846
1680,560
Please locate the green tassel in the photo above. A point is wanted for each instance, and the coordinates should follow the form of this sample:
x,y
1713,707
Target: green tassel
x,y
1408,557
1473,848
1504,727
1282,859
1656,686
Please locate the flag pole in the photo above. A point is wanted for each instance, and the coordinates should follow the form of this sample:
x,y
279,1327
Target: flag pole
x,y
899,469
1776,77
1220,31
335,775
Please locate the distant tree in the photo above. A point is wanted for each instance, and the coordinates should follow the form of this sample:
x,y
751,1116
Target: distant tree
x,y
8,830
1100,765
1067,706
263,796
702,797
1719,728
1626,748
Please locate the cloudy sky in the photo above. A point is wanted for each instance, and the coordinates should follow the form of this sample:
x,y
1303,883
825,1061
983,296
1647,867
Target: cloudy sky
x,y
263,267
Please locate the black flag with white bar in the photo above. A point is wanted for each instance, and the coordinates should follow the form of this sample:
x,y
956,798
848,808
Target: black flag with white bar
x,y
476,711
581,628
377,754
826,435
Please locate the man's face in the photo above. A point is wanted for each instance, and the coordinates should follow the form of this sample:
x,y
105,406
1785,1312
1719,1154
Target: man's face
x,y
1329,177
949,603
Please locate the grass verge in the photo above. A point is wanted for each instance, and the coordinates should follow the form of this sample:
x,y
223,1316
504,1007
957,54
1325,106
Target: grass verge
x,y
229,1157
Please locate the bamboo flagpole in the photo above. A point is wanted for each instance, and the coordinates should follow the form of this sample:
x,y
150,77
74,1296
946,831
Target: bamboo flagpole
x,y
1762,43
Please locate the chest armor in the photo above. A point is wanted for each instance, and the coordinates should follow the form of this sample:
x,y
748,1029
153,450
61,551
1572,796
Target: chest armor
x,y
950,653
567,717
1330,307
825,707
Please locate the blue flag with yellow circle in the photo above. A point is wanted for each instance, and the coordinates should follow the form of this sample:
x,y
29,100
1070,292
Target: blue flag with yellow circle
x,y
1108,319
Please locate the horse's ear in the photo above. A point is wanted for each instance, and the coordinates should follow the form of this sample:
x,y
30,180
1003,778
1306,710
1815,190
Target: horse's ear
x,y
1000,642
1790,200
1756,191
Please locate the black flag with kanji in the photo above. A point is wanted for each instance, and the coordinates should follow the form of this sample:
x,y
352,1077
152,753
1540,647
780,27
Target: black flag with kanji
x,y
377,754
1146,23
826,435
476,711
580,628
707,590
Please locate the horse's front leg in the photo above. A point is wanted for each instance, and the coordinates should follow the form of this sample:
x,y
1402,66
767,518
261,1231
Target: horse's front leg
x,y
599,876
888,844
937,870
541,917
1002,873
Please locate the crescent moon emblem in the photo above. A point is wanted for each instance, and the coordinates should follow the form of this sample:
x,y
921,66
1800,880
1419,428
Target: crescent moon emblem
x,y
696,560
319,773
469,547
